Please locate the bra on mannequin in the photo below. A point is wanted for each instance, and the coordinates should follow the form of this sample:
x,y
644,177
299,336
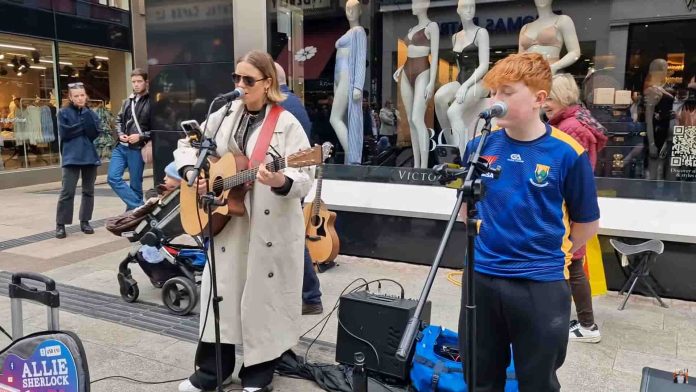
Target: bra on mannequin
x,y
463,59
419,38
546,37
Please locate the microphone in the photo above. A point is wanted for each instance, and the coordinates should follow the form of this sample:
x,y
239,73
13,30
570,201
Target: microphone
x,y
232,95
498,109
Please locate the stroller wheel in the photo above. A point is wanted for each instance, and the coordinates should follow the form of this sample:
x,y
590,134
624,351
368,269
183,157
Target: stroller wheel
x,y
128,288
179,295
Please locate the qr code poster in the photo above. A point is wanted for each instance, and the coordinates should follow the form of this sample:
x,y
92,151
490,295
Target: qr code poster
x,y
683,162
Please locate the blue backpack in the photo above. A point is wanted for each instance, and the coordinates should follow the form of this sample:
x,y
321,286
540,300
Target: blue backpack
x,y
434,372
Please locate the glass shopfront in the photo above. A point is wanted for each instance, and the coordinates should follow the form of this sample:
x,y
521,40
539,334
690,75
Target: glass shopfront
x,y
29,135
30,96
387,81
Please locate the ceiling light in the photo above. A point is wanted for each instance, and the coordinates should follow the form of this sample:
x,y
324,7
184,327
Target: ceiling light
x,y
101,58
100,65
60,62
17,47
2,56
37,67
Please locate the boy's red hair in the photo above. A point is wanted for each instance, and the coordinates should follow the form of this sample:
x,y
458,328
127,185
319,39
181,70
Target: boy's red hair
x,y
529,68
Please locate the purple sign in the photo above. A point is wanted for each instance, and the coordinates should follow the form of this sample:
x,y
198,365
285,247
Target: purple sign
x,y
51,368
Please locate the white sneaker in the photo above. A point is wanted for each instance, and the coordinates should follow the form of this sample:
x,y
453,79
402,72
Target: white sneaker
x,y
578,333
186,386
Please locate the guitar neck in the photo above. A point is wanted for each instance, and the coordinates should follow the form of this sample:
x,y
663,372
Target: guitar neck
x,y
317,197
250,174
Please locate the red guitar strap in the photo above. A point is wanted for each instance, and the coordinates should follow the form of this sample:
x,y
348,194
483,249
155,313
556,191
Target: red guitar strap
x,y
264,139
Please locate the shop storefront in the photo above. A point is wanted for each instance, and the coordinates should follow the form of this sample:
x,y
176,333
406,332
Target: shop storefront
x,y
361,66
44,46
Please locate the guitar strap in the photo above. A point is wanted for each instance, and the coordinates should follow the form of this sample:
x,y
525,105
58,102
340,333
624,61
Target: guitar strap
x,y
264,139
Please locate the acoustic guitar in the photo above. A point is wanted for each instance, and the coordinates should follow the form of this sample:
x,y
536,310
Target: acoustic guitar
x,y
229,184
320,231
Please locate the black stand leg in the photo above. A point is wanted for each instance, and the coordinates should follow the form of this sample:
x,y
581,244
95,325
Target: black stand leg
x,y
209,203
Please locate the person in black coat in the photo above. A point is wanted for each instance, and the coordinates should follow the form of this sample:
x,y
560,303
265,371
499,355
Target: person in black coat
x,y
77,127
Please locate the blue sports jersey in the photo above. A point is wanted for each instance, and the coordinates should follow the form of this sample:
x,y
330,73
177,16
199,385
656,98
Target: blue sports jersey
x,y
526,213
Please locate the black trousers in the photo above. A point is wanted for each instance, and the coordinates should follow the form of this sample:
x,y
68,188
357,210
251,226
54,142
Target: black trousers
x,y
582,293
533,317
64,215
256,376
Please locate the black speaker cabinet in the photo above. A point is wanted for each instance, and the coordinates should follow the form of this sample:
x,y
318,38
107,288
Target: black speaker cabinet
x,y
379,320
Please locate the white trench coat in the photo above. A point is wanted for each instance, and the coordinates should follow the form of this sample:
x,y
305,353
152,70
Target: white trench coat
x,y
259,256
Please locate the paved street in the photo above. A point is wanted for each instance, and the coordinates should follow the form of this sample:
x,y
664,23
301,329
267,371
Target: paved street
x,y
642,335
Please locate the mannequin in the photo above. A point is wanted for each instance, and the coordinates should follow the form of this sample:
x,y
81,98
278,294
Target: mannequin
x,y
458,103
349,79
658,113
547,34
417,77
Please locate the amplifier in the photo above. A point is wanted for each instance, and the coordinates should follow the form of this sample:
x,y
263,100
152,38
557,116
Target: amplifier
x,y
380,320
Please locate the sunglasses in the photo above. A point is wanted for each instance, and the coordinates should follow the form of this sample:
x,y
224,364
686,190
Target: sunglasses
x,y
248,80
75,85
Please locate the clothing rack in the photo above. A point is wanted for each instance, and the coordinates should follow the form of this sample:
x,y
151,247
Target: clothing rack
x,y
22,101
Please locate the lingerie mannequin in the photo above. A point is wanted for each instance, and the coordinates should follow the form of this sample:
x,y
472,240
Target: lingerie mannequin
x,y
417,77
658,113
349,79
547,34
458,103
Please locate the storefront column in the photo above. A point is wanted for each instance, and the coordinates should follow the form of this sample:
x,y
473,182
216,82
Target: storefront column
x,y
250,26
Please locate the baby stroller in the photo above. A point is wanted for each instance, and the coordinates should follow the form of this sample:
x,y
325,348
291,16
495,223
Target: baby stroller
x,y
175,268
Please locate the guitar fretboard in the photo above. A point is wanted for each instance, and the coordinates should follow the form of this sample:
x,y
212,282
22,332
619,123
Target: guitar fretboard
x,y
221,185
317,198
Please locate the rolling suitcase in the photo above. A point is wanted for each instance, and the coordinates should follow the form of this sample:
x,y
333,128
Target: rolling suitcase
x,y
47,361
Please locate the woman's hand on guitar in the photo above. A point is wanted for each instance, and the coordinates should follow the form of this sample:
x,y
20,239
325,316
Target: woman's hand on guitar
x,y
272,179
201,183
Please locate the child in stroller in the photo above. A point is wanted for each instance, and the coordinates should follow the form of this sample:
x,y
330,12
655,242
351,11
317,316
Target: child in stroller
x,y
175,268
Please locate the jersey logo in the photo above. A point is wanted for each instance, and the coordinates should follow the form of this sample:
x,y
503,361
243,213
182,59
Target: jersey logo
x,y
490,158
515,158
541,174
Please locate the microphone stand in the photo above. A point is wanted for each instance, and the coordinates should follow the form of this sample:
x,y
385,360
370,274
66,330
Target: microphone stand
x,y
210,202
471,191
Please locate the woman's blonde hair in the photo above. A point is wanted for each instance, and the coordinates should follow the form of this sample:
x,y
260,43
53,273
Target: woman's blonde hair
x,y
564,90
264,63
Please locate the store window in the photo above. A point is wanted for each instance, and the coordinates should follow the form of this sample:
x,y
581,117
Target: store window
x,y
387,81
103,73
29,137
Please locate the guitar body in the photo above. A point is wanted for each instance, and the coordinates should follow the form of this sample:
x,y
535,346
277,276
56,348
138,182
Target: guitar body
x,y
194,216
321,237
230,180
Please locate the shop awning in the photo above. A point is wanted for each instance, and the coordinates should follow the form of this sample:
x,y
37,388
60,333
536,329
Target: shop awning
x,y
318,49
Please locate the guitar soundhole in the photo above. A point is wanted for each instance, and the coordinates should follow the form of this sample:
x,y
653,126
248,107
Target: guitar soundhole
x,y
318,222
218,186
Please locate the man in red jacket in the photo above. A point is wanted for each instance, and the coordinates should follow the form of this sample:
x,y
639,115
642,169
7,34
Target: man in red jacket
x,y
564,111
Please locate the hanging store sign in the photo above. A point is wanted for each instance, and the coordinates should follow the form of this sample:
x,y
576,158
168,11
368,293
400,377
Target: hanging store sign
x,y
302,4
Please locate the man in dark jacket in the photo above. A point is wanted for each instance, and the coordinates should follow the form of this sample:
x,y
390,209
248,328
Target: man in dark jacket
x,y
133,127
311,293
77,125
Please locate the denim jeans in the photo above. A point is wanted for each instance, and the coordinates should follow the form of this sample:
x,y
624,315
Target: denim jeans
x,y
311,295
123,158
